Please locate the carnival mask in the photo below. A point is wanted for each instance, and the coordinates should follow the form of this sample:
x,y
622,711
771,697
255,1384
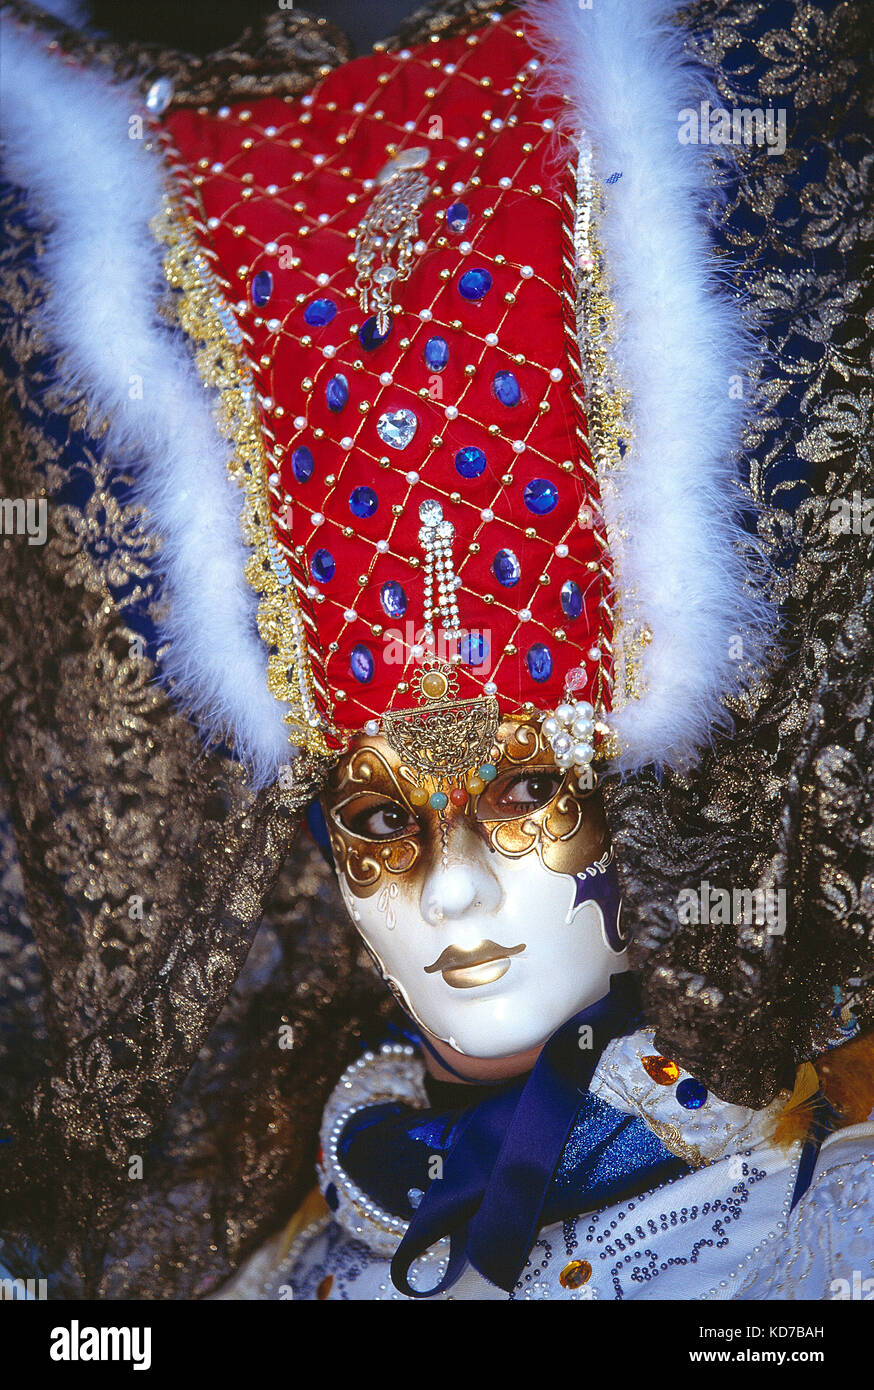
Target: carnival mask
x,y
495,918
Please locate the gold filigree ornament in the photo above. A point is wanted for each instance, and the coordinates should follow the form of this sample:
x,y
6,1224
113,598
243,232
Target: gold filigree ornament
x,y
445,737
386,235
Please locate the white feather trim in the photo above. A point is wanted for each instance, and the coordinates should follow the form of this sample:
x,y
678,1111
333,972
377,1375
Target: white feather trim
x,y
66,143
683,561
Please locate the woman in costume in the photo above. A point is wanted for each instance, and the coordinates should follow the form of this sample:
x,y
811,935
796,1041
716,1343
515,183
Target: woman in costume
x,y
478,394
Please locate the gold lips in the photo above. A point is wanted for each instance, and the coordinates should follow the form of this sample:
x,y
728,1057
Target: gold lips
x,y
480,966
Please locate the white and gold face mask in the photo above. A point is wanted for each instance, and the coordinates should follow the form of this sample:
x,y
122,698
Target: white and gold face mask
x,y
494,919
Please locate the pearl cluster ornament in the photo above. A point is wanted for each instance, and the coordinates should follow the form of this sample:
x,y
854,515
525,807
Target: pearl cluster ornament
x,y
569,730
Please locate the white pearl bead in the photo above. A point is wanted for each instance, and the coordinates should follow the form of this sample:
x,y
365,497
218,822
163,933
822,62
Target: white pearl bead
x,y
582,728
583,710
562,745
582,752
561,551
372,726
565,713
551,726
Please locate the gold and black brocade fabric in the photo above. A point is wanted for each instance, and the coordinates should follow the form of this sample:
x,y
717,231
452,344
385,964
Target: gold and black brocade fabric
x,y
161,926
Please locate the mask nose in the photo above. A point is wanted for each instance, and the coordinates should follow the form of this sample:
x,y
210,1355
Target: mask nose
x,y
467,884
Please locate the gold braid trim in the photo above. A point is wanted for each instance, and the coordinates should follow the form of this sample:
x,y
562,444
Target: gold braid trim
x,y
607,403
204,314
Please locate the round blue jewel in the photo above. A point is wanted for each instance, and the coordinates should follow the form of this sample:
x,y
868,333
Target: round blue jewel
x,y
506,568
470,462
262,288
691,1094
436,354
540,496
457,217
488,772
474,649
475,283
393,598
439,801
539,661
337,392
361,663
571,599
320,312
363,501
368,336
322,566
302,464
506,388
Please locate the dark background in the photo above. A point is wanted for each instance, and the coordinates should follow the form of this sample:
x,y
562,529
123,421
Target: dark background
x,y
204,25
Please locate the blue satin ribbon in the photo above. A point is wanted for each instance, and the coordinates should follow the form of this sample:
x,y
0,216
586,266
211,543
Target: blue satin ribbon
x,y
498,1172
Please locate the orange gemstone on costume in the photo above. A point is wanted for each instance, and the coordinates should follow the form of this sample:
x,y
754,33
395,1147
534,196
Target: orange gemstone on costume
x,y
434,685
458,796
662,1070
418,796
575,1275
475,785
325,1286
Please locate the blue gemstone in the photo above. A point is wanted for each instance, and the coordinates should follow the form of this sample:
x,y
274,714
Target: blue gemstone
x,y
474,649
337,392
540,496
302,464
322,566
539,661
571,599
393,599
691,1094
457,217
475,283
470,462
320,312
506,388
363,501
369,338
436,353
262,288
332,1196
361,663
506,568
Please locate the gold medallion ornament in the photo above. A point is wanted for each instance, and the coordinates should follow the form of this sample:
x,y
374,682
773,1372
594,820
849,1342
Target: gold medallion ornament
x,y
445,736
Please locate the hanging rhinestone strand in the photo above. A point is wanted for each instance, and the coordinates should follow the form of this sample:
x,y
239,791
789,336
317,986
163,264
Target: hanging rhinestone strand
x,y
390,225
435,537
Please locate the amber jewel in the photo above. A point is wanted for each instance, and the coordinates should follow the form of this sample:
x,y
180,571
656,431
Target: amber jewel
x,y
575,1274
661,1069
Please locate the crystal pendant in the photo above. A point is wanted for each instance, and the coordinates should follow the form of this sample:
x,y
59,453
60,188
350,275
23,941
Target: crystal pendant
x,y
475,283
322,566
397,427
320,312
506,388
540,496
539,661
393,598
506,568
363,501
262,288
302,464
571,599
361,663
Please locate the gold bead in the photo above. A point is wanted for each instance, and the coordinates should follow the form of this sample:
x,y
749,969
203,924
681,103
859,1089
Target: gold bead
x,y
506,479
474,548
509,650
455,496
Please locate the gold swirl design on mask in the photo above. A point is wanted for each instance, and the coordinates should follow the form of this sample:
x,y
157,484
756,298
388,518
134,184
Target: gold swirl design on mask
x,y
364,861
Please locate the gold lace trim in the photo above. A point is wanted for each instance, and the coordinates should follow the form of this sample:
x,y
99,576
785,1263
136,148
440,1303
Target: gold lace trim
x,y
284,618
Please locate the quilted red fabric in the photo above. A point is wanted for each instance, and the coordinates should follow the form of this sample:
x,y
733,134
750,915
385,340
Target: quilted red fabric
x,y
283,184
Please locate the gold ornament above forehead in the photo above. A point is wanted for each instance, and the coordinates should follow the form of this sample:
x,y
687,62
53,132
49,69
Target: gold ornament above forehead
x,y
445,735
